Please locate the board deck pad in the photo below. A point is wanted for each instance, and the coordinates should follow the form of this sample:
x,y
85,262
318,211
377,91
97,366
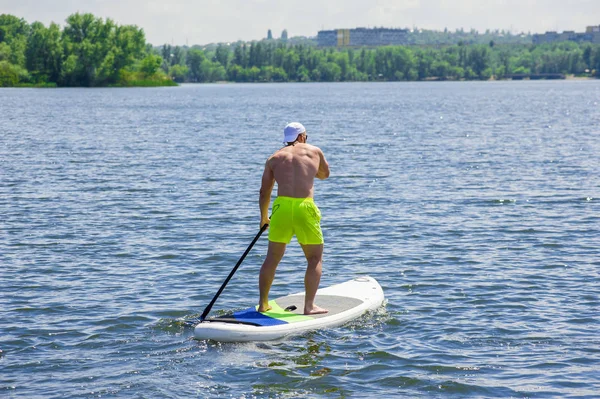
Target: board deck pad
x,y
279,315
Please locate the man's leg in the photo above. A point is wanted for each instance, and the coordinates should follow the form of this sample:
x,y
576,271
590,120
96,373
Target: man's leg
x,y
267,273
314,259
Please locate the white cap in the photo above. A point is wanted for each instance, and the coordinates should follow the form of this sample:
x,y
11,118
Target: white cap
x,y
291,132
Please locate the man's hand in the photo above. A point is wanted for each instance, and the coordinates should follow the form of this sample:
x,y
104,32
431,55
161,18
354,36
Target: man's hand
x,y
264,221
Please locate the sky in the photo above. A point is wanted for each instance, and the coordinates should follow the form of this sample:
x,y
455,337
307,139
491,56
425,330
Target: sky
x,y
190,22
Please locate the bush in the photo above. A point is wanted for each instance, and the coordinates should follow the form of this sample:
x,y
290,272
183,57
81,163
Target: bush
x,y
11,75
128,78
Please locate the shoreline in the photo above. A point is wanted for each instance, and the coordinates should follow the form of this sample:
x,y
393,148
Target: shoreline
x,y
226,82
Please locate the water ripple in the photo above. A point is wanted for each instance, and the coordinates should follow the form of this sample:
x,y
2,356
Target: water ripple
x,y
474,204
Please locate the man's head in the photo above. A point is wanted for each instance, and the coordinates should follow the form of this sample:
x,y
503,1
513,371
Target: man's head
x,y
292,132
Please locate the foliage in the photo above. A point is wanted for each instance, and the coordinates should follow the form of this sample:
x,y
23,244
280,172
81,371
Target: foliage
x,y
137,78
178,72
9,74
272,61
88,51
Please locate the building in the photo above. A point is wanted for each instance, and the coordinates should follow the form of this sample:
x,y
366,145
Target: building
x,y
591,35
362,37
592,29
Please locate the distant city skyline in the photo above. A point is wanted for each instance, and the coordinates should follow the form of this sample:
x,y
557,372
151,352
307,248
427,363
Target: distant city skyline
x,y
181,22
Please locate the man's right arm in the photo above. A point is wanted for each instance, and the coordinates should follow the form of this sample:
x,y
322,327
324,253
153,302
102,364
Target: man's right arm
x,y
266,187
323,172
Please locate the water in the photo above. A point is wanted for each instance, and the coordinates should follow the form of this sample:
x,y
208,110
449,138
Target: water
x,y
474,204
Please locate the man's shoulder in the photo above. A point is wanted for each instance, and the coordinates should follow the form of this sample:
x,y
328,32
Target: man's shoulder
x,y
309,147
314,148
278,154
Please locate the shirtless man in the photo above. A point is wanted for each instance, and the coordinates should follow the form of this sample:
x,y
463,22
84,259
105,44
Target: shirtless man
x,y
294,168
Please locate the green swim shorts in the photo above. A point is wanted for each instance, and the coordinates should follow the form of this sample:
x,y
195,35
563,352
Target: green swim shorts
x,y
299,216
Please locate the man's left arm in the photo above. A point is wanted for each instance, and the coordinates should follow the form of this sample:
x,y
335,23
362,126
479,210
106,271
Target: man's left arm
x,y
323,172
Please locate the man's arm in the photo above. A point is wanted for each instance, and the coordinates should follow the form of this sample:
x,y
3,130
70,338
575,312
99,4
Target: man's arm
x,y
323,172
264,198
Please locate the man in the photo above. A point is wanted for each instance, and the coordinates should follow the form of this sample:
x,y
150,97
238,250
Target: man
x,y
294,168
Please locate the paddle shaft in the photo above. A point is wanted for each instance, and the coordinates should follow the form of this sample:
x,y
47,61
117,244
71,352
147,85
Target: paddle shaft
x,y
210,305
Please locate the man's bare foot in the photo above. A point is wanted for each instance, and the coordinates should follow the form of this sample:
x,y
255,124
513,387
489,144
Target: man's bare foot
x,y
315,310
262,309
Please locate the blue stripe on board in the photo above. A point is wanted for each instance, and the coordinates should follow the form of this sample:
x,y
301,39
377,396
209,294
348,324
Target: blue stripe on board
x,y
250,315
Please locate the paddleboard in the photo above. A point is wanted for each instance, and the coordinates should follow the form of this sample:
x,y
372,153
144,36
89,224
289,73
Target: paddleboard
x,y
345,302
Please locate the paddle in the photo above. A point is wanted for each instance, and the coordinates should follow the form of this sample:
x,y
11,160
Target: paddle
x,y
210,305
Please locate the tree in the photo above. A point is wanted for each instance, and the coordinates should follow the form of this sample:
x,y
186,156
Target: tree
x,y
44,53
504,60
178,73
194,62
4,52
178,57
14,32
479,61
587,56
290,64
222,55
329,72
423,64
150,64
128,47
9,74
240,56
81,38
11,27
97,50
596,62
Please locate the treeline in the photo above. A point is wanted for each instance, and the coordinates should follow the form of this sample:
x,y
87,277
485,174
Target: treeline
x,y
268,61
88,51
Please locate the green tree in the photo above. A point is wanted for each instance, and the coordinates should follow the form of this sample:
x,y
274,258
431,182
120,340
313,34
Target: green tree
x,y
504,63
194,62
279,75
222,55
329,72
178,57
96,50
14,32
150,64
596,62
178,73
4,52
240,56
587,56
83,45
479,60
129,46
9,74
290,64
213,71
44,53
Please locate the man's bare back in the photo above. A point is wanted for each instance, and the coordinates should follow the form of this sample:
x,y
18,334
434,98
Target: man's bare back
x,y
294,168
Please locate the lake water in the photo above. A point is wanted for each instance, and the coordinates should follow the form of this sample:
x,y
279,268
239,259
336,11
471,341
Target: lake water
x,y
475,205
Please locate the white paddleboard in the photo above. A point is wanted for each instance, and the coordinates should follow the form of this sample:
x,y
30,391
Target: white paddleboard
x,y
345,302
